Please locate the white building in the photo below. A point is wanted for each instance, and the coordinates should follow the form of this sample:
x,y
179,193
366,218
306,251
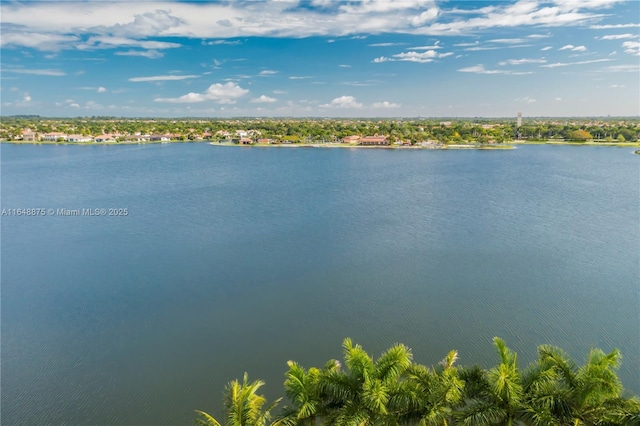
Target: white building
x,y
79,138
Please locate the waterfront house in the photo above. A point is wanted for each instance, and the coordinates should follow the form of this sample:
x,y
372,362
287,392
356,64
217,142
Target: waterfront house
x,y
374,140
79,138
29,136
104,138
351,139
245,141
162,138
265,140
54,136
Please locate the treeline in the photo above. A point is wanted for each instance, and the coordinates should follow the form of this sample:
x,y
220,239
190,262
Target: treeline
x,y
394,390
300,130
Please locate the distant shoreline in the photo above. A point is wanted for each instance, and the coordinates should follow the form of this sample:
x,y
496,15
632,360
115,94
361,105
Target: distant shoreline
x,y
510,145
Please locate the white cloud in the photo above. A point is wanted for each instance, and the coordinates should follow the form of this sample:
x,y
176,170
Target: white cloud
x,y
263,99
343,102
35,40
526,100
573,48
221,93
617,36
436,45
26,98
522,61
47,72
558,99
268,72
386,104
162,78
622,68
344,66
566,64
151,54
508,40
110,42
421,57
616,86
101,89
385,44
110,24
480,69
613,26
475,43
299,77
546,48
218,42
631,47
428,15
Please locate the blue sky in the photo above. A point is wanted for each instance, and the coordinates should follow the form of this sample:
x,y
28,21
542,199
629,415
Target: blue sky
x,y
323,58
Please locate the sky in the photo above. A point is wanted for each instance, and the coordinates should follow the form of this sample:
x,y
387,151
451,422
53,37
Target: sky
x,y
320,58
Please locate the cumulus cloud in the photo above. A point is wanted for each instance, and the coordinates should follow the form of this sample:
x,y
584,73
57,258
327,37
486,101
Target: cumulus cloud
x,y
343,102
631,47
101,89
221,93
26,98
480,69
573,48
386,104
110,25
420,57
263,99
162,78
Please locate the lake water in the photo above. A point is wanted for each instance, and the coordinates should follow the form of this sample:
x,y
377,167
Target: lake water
x,y
239,259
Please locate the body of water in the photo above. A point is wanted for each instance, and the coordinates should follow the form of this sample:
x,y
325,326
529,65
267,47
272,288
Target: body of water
x,y
239,259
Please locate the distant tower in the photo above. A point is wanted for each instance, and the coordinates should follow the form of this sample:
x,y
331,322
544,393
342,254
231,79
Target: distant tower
x,y
519,119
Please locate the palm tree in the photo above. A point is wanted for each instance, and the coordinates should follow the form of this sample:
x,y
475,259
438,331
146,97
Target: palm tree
x,y
361,394
591,394
244,407
431,394
498,393
301,387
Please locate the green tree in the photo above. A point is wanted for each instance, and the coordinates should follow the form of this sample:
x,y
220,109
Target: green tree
x,y
498,393
579,135
361,394
591,394
431,394
301,387
243,405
